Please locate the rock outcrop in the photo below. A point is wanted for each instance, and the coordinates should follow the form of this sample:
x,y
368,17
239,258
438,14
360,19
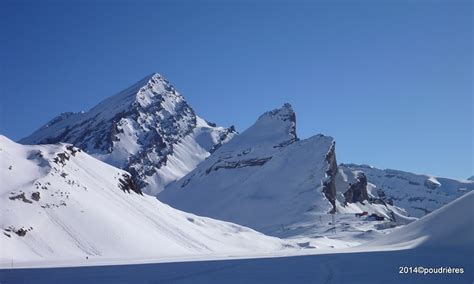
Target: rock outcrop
x,y
329,184
357,191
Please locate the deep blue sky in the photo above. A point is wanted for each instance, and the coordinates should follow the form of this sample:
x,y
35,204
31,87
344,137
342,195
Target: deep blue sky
x,y
390,80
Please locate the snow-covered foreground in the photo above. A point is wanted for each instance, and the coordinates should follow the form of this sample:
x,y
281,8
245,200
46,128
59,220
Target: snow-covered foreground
x,y
441,240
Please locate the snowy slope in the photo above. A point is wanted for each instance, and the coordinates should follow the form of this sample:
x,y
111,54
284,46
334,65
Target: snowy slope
x,y
57,203
417,194
234,183
437,242
147,129
450,227
267,179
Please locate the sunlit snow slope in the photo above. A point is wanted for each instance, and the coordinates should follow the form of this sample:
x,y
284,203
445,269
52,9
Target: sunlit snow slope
x,y
450,227
264,178
57,202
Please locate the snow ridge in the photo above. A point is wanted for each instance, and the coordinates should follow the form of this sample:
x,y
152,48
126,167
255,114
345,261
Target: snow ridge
x,y
264,178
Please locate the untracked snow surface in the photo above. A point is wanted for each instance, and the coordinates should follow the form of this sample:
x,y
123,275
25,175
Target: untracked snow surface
x,y
59,204
421,245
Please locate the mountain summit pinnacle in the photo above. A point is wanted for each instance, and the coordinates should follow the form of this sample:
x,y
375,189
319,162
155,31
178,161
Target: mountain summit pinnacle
x,y
147,129
277,126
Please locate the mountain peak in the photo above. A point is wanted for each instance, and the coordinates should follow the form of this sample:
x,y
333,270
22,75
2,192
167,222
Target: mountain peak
x,y
279,124
142,129
153,88
285,113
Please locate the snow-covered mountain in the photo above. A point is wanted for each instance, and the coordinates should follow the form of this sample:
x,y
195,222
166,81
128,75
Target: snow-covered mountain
x,y
268,179
265,178
57,202
417,194
147,129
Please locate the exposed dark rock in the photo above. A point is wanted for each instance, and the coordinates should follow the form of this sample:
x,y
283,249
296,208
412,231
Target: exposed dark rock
x,y
22,197
22,231
286,143
35,196
357,192
126,184
223,137
212,124
72,149
329,184
186,182
238,164
61,158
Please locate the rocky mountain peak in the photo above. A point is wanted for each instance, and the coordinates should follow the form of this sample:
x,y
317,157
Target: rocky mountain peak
x,y
285,115
139,130
276,127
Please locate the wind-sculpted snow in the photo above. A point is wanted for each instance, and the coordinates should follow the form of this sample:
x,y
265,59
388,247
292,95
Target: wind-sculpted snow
x,y
58,203
147,129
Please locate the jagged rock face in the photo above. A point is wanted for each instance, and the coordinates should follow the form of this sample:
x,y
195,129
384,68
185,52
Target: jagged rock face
x,y
329,184
357,192
139,130
264,178
126,184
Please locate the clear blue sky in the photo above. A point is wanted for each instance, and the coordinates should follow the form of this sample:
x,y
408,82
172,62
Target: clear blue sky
x,y
390,80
